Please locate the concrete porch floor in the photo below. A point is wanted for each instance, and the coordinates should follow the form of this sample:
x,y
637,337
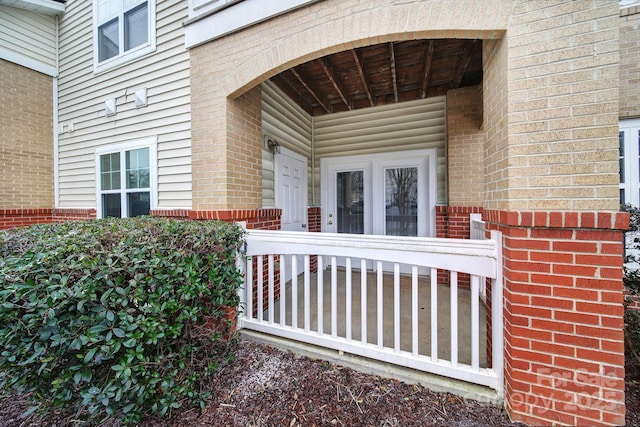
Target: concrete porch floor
x,y
424,313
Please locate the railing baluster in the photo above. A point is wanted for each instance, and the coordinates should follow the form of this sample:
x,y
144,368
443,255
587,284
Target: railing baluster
x,y
260,314
348,298
271,274
283,286
379,300
414,310
334,297
453,289
249,287
363,301
294,291
307,296
475,322
434,314
320,277
396,307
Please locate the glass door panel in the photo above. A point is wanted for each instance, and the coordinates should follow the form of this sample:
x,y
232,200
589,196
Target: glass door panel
x,y
401,201
350,202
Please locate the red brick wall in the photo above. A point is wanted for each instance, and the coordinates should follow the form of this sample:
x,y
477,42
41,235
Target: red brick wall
x,y
314,225
563,314
12,218
170,213
63,214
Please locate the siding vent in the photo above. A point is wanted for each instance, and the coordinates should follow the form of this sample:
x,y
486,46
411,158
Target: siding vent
x,y
141,97
110,107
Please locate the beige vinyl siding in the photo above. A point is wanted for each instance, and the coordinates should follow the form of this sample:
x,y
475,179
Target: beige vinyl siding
x,y
288,124
28,34
82,94
396,127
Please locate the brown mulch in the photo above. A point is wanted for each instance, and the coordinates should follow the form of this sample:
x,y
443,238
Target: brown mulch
x,y
267,386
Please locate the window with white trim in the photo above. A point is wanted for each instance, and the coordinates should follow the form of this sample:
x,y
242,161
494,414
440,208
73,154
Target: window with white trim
x,y
126,176
123,30
629,154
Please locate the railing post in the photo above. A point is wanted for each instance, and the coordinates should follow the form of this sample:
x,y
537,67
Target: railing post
x,y
241,264
497,321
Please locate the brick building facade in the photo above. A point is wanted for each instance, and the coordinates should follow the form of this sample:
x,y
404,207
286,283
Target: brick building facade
x,y
534,148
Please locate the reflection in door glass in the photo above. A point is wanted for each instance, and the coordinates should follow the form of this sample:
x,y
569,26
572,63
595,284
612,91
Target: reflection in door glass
x,y
401,201
350,202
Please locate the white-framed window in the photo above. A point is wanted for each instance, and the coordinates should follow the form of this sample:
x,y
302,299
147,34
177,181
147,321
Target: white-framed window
x,y
122,31
629,140
126,177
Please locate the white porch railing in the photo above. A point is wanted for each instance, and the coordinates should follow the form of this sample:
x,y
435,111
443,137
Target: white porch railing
x,y
272,255
478,232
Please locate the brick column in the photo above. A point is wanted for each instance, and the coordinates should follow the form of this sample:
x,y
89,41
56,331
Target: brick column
x,y
563,313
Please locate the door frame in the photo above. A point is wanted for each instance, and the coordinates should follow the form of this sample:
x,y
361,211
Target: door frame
x,y
425,158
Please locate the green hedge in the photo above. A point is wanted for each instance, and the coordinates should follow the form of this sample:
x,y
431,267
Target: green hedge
x,y
105,317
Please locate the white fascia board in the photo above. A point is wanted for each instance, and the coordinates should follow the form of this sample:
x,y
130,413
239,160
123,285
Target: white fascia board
x,y
236,17
27,62
47,7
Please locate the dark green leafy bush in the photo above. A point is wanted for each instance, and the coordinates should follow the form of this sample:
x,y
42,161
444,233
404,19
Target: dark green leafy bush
x,y
631,278
106,317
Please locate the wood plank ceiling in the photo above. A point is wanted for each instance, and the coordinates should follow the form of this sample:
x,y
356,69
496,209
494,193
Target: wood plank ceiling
x,y
382,74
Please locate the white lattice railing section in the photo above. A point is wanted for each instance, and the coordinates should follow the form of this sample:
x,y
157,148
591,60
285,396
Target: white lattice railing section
x,y
373,308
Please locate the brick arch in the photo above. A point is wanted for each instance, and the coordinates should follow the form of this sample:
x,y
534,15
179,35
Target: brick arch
x,y
420,20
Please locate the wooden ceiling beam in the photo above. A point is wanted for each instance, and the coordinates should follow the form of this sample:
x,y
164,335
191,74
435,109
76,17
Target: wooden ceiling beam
x,y
463,64
363,77
428,57
329,71
285,85
309,89
394,77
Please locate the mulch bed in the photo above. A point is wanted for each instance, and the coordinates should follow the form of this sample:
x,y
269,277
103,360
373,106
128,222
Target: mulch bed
x,y
267,386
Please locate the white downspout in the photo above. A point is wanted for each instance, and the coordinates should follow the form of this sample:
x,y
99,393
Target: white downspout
x,y
56,195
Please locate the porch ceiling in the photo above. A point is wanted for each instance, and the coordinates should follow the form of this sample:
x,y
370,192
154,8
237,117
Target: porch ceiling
x,y
382,74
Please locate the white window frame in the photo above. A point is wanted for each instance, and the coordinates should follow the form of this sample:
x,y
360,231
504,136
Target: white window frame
x,y
131,54
631,186
150,143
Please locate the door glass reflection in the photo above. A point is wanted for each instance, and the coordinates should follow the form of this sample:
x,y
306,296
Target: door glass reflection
x,y
350,202
401,201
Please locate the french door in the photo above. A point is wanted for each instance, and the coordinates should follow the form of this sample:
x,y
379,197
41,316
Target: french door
x,y
391,194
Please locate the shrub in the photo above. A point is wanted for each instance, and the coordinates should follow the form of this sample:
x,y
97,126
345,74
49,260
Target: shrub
x,y
631,278
104,317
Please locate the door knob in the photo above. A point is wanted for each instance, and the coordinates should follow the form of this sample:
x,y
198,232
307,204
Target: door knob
x,y
330,222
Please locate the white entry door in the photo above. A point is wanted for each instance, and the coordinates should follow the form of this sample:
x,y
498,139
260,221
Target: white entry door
x,y
291,195
291,189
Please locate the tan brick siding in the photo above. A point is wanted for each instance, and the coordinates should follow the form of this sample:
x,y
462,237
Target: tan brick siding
x,y
630,62
465,146
26,138
563,101
494,89
228,67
